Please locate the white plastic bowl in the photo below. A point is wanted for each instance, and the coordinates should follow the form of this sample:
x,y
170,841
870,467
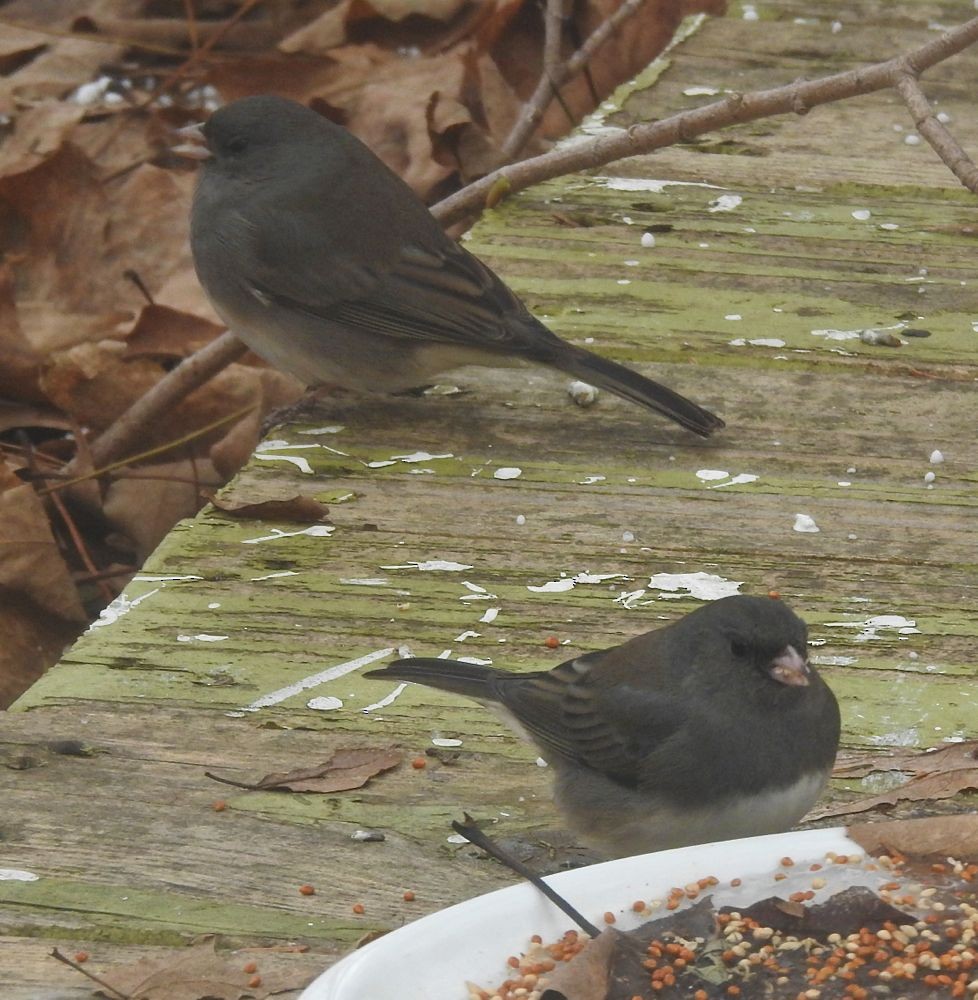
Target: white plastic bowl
x,y
432,958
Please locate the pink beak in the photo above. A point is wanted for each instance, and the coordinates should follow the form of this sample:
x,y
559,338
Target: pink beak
x,y
790,667
195,145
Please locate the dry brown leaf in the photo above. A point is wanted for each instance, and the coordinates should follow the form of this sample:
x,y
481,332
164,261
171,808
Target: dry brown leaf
x,y
587,975
941,836
19,362
298,509
146,503
397,10
939,774
857,764
166,334
33,640
40,612
30,562
195,973
345,770
328,31
38,133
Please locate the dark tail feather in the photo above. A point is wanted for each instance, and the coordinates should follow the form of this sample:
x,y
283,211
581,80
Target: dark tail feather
x,y
637,388
469,679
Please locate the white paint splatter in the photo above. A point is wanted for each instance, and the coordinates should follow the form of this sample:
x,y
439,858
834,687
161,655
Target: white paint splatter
x,y
314,531
702,586
583,393
420,456
274,576
629,598
805,523
439,741
489,615
380,464
758,342
833,661
326,703
331,429
831,334
648,184
871,627
384,702
507,472
202,637
734,317
152,578
715,475
17,875
861,214
468,634
120,606
591,480
433,566
726,203
297,460
936,457
314,680
365,581
648,240
741,479
554,586
476,660
701,91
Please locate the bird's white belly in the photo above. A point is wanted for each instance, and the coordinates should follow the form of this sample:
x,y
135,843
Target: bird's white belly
x,y
631,823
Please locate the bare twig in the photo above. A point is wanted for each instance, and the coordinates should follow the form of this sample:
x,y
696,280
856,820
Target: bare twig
x,y
555,73
933,130
475,836
794,98
95,979
192,372
553,33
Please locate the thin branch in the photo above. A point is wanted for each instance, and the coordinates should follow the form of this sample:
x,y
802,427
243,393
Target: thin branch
x,y
933,130
192,372
475,836
95,979
554,76
794,98
553,33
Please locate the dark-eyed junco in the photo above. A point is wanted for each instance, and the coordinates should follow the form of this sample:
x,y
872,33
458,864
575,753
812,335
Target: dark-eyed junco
x,y
713,727
326,263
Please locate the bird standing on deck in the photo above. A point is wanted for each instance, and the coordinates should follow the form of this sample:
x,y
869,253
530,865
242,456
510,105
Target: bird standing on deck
x,y
326,263
711,728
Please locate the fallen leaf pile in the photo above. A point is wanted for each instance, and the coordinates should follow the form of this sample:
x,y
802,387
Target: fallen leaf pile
x,y
98,298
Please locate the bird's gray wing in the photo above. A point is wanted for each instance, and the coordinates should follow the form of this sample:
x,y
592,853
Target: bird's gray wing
x,y
609,729
429,290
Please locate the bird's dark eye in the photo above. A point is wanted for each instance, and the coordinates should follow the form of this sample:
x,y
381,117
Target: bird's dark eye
x,y
738,647
237,145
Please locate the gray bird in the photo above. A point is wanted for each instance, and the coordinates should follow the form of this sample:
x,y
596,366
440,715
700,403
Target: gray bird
x,y
326,263
713,727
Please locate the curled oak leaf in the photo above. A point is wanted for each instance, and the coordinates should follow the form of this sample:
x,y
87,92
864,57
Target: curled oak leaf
x,y
298,509
347,769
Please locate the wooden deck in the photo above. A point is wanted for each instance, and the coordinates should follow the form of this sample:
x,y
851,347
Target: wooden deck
x,y
841,226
